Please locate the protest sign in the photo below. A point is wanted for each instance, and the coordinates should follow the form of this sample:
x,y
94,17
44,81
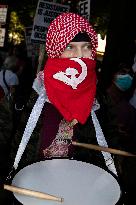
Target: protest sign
x,y
2,36
84,8
45,13
3,13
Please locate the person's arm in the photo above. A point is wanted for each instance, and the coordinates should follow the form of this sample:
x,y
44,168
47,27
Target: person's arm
x,y
12,89
13,83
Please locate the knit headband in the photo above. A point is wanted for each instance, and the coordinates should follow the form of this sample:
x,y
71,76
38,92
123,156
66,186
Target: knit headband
x,y
81,36
63,29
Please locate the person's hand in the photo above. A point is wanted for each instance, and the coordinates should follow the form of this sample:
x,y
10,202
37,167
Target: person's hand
x,y
74,122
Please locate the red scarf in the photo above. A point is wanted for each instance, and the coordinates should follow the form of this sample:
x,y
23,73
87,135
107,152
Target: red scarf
x,y
71,86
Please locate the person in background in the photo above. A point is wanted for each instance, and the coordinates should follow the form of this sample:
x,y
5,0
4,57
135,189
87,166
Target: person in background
x,y
126,118
8,83
26,74
8,77
119,92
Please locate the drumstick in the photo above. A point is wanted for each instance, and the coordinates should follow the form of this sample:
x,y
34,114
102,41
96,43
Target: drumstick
x,y
32,193
105,149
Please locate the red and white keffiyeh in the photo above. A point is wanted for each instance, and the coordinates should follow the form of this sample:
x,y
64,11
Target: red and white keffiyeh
x,y
63,29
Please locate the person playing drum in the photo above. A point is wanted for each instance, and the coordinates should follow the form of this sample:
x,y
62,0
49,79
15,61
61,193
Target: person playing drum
x,y
69,100
68,97
69,80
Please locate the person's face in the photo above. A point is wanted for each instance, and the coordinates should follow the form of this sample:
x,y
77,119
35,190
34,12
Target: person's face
x,y
77,49
125,71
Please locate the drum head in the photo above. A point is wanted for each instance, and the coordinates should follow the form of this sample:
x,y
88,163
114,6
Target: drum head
x,y
79,183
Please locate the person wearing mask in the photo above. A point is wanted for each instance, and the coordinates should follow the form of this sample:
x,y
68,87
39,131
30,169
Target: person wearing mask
x,y
67,92
119,92
126,118
71,91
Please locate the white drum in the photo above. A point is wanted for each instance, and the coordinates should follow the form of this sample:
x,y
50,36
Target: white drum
x,y
79,183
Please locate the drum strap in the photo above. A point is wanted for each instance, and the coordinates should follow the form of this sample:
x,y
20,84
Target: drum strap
x,y
102,142
32,121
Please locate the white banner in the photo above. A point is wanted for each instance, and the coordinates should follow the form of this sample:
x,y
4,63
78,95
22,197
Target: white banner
x,y
3,13
2,36
45,13
84,8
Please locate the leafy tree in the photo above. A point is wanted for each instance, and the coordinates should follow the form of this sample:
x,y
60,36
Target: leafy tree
x,y
16,29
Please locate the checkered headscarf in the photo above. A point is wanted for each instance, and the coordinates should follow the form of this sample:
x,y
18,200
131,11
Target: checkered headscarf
x,y
63,29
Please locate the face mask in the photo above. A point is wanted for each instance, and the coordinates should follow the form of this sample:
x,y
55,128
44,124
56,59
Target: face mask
x,y
123,82
71,85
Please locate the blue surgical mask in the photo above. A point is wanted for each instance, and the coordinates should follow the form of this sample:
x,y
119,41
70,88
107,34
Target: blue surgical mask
x,y
123,82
